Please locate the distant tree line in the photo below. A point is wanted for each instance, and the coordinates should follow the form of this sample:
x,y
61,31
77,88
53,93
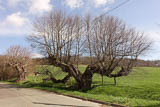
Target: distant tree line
x,y
85,60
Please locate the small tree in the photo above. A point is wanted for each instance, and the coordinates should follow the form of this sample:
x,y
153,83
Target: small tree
x,y
5,71
106,39
18,58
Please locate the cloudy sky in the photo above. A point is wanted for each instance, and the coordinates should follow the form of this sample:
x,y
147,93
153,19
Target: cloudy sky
x,y
16,17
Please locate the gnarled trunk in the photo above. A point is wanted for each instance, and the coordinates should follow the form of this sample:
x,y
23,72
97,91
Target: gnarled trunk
x,y
84,81
21,73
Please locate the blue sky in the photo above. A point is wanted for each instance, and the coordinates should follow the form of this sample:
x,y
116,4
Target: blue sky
x,y
16,17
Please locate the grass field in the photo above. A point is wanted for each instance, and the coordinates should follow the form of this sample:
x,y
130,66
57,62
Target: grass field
x,y
140,88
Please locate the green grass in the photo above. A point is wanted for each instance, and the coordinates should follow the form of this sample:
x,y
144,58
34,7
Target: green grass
x,y
140,88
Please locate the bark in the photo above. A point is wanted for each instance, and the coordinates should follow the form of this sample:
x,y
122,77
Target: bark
x,y
21,73
64,80
102,79
84,81
115,82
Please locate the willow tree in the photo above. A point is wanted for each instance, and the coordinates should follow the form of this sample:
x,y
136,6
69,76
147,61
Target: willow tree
x,y
106,40
18,58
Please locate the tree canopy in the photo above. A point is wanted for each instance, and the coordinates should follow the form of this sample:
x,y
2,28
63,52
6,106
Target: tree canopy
x,y
108,41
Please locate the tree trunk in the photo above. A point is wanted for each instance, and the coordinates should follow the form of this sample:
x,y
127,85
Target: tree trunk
x,y
84,85
21,76
84,81
102,80
115,82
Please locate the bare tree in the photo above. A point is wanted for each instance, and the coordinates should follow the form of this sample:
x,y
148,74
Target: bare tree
x,y
18,58
107,39
113,42
5,71
88,29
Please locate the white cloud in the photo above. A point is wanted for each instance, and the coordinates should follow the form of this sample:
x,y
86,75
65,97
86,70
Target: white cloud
x,y
153,53
36,55
94,3
153,35
33,6
14,24
40,6
19,23
98,3
15,19
74,3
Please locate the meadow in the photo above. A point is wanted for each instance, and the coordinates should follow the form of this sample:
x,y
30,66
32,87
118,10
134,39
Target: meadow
x,y
139,89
